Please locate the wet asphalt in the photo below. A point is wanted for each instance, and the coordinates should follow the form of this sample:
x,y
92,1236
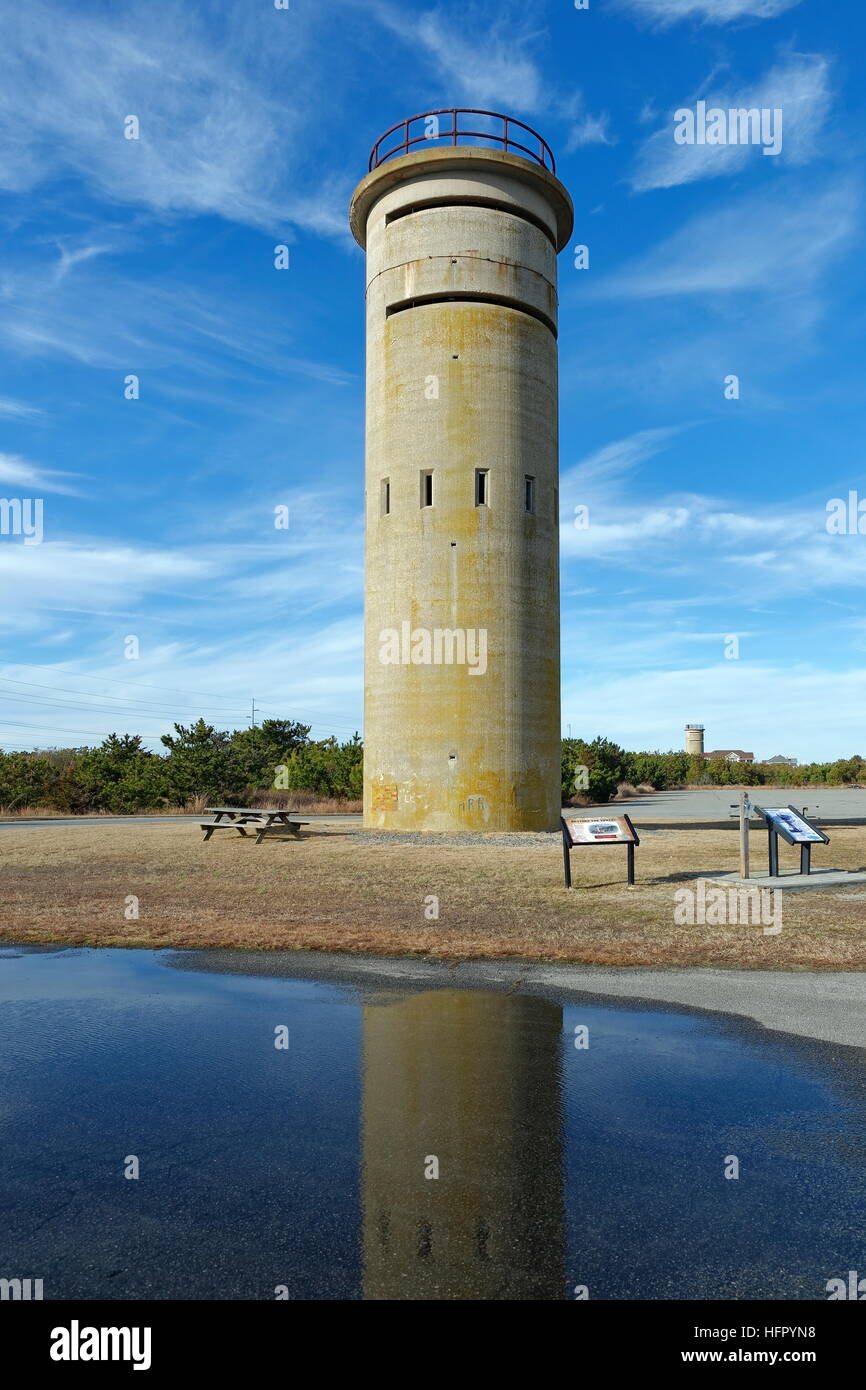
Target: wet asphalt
x,y
641,1134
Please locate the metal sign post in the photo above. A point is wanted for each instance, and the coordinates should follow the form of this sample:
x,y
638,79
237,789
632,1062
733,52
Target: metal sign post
x,y
773,848
744,810
566,846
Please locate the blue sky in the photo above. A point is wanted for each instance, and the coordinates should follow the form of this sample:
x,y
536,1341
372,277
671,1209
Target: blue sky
x,y
156,257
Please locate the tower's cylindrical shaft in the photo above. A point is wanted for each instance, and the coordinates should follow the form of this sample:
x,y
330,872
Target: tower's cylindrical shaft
x,y
462,570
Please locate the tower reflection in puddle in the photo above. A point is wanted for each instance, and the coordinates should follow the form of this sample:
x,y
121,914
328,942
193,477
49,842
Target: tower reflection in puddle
x,y
469,1082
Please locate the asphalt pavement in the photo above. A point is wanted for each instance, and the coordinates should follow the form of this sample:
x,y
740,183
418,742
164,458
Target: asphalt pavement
x,y
704,805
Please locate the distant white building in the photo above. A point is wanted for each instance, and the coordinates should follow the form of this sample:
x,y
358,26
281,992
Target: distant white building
x,y
731,755
780,758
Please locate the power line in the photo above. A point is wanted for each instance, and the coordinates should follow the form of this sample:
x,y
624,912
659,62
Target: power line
x,y
40,702
128,702
121,715
115,680
111,714
125,700
314,723
78,733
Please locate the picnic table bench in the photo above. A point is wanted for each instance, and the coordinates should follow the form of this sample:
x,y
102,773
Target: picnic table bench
x,y
243,818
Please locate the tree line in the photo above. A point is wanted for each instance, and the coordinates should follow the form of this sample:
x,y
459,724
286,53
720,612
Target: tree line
x,y
278,755
122,776
595,769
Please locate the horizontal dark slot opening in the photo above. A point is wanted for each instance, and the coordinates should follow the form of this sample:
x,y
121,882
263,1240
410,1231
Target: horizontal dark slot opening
x,y
452,202
467,297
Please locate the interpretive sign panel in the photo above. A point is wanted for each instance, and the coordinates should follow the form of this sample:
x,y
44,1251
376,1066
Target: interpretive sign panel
x,y
578,831
793,826
601,831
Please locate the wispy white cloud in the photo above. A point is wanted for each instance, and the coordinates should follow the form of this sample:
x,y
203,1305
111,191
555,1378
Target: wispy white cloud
x,y
213,138
18,410
496,72
629,534
112,320
308,672
231,606
29,478
238,585
612,462
666,12
491,63
778,239
799,86
589,130
785,548
78,574
487,64
72,256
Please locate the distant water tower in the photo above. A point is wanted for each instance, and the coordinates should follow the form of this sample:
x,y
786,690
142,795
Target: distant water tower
x,y
462,717
695,740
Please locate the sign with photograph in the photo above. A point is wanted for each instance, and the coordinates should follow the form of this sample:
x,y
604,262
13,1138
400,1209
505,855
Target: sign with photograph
x,y
597,830
792,825
602,830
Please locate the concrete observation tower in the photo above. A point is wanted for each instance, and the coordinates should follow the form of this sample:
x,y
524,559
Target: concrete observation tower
x,y
695,740
462,717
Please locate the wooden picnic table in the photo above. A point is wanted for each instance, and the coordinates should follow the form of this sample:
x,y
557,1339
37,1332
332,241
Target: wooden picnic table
x,y
261,819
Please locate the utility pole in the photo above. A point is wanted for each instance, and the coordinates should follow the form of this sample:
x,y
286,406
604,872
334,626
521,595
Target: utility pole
x,y
254,715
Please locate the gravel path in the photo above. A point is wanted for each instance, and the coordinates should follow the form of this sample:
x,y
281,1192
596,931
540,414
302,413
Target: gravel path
x,y
501,839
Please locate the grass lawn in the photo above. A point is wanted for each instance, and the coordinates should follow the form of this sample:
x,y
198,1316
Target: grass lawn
x,y
332,891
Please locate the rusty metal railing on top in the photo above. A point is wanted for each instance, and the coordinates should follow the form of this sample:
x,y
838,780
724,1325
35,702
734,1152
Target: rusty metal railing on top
x,y
543,155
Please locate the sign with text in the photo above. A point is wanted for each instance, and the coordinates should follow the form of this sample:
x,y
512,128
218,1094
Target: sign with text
x,y
792,825
603,830
597,830
794,828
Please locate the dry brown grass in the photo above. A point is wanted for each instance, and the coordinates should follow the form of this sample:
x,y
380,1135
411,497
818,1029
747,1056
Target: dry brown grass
x,y
44,813
331,891
311,802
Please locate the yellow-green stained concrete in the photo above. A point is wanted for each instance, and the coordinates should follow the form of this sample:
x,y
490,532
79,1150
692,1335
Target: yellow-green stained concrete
x,y
462,719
